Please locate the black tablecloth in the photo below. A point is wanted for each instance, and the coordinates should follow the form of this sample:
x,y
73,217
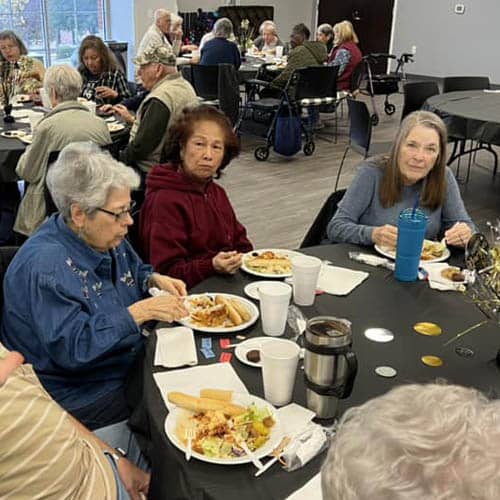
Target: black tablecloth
x,y
379,301
472,114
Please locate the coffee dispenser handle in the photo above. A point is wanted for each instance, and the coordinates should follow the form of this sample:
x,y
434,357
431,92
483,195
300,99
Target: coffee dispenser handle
x,y
352,368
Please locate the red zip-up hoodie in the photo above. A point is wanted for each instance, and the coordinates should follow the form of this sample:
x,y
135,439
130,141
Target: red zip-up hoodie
x,y
183,226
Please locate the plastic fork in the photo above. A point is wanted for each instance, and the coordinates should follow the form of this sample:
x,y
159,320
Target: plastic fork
x,y
190,434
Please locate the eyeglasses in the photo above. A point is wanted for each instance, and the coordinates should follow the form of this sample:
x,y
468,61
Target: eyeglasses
x,y
119,216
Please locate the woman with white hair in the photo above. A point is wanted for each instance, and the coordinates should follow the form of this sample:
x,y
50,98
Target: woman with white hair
x,y
175,36
220,50
268,38
68,121
76,292
417,442
324,34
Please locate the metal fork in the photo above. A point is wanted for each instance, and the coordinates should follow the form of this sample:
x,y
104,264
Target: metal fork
x,y
190,434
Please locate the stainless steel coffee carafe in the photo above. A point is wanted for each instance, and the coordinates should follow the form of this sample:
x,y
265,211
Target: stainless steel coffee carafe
x,y
330,365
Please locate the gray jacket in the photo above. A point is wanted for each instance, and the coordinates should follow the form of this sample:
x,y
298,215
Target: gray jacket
x,y
68,122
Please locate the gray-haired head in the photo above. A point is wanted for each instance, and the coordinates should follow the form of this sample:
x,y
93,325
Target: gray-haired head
x,y
63,81
161,13
268,25
86,175
223,28
326,29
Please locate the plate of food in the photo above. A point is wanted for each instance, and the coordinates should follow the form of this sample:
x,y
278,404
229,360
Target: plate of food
x,y
13,134
269,262
248,351
115,127
219,313
432,251
220,426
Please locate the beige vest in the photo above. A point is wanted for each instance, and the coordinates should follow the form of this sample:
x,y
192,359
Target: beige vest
x,y
175,93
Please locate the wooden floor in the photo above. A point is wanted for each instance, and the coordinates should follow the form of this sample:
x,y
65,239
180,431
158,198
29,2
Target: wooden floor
x,y
278,199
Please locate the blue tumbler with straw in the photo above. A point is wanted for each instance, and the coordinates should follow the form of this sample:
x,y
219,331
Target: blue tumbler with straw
x,y
411,233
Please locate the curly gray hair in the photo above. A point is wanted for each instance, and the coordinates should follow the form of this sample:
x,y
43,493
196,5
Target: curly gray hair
x,y
84,174
417,441
223,28
64,81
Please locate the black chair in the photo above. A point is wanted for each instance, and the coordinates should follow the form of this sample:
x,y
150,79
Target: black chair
x,y
6,255
317,232
205,80
360,135
415,94
457,83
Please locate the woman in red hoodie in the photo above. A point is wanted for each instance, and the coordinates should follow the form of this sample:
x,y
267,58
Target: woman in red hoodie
x,y
345,53
187,223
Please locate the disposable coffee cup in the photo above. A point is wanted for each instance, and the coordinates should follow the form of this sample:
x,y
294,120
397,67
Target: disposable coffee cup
x,y
305,272
279,51
279,359
45,99
274,300
91,105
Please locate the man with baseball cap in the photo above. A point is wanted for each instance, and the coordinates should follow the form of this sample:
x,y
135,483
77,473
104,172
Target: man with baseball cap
x,y
169,92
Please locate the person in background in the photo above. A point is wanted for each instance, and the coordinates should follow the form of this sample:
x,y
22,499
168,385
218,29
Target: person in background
x,y
384,186
168,93
325,35
416,442
268,38
175,37
303,54
157,34
188,227
13,50
345,53
67,122
46,452
220,50
76,293
103,81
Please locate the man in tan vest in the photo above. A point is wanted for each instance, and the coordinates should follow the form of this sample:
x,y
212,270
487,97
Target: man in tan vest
x,y
168,94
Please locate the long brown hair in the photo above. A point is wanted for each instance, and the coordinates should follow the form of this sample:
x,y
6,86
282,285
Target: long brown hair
x,y
10,35
182,128
108,60
434,190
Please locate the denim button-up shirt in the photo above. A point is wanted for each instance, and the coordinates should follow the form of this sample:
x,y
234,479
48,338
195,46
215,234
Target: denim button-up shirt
x,y
66,311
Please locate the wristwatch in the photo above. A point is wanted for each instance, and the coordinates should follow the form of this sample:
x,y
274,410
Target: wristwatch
x,y
116,456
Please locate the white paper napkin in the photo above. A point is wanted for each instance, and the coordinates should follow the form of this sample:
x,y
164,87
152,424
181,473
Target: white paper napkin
x,y
339,280
294,418
191,380
311,490
436,281
175,347
304,446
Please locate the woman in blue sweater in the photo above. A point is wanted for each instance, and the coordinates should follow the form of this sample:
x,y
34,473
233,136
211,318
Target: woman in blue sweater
x,y
384,186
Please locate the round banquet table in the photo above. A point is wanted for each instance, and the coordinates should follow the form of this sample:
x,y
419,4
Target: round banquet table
x,y
471,114
380,301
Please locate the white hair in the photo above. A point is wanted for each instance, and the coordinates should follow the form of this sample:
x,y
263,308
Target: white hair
x,y
86,175
175,20
326,29
223,28
267,24
433,441
64,81
160,13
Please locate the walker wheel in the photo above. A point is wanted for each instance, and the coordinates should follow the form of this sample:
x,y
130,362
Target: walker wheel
x,y
374,119
309,148
389,109
261,153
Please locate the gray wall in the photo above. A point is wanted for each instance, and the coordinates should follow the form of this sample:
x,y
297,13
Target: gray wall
x,y
447,43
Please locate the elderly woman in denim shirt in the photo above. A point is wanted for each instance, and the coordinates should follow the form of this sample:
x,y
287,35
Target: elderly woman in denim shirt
x,y
75,293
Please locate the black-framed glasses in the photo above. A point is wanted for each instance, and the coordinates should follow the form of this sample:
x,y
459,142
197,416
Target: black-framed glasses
x,y
120,216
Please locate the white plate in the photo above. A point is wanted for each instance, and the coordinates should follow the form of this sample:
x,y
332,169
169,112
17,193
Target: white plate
x,y
247,345
21,98
389,252
288,253
242,399
27,139
254,315
115,127
252,289
13,134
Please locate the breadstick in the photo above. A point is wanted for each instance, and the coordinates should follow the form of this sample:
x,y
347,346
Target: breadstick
x,y
201,405
231,311
241,309
218,394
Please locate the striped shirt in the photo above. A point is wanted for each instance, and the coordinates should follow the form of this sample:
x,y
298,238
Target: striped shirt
x,y
42,453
